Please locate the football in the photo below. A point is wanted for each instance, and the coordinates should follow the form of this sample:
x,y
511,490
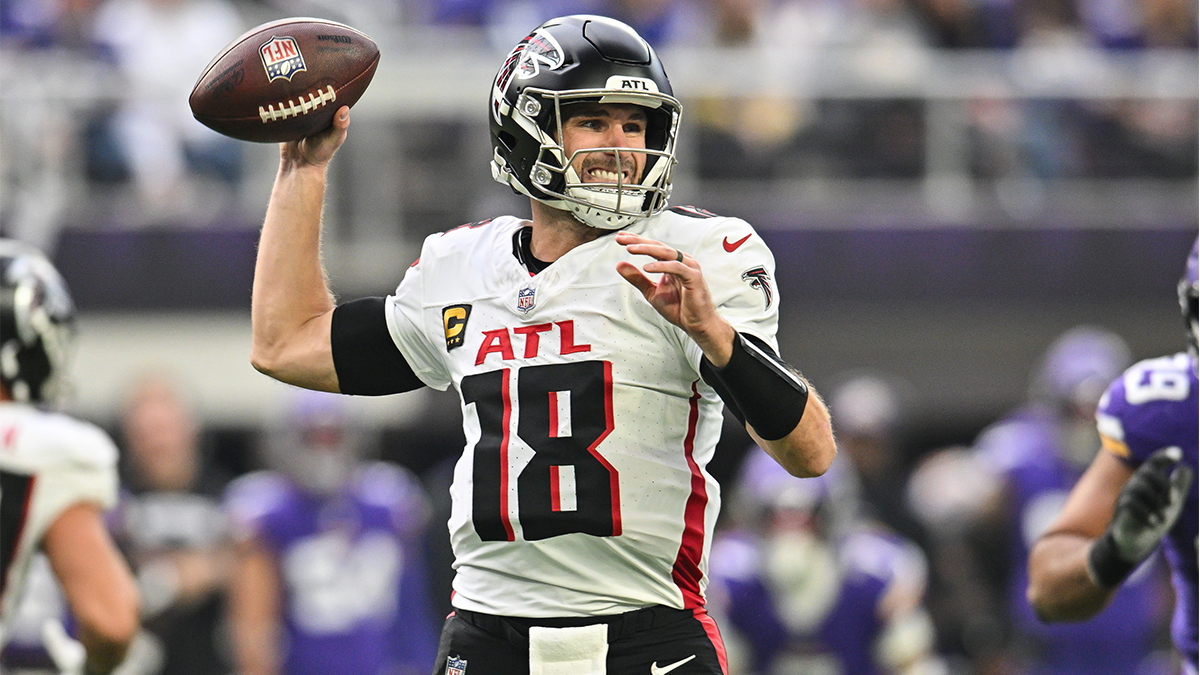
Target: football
x,y
284,80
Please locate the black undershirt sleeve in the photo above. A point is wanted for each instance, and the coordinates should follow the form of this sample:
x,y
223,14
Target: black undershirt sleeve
x,y
365,357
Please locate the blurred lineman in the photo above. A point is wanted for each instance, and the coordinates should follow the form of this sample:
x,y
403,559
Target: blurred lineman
x,y
867,407
171,527
331,577
1038,453
810,586
1140,491
591,392
57,474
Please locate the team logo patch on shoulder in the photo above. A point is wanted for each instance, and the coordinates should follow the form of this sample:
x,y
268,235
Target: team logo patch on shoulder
x,y
456,666
281,58
526,298
758,278
454,321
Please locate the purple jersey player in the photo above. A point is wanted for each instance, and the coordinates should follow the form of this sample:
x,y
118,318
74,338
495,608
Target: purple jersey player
x,y
808,586
1038,453
331,560
1137,494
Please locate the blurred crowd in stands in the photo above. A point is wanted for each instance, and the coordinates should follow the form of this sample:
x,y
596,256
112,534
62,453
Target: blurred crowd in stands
x,y
138,135
322,554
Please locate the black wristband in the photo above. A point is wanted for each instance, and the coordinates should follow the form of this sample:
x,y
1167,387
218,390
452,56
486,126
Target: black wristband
x,y
761,389
1105,565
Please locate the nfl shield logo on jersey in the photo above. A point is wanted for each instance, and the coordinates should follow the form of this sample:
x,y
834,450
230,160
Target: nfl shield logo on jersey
x,y
525,299
281,58
456,666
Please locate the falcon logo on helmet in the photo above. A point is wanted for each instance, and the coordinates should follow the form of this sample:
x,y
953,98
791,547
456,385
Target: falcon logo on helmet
x,y
539,49
582,59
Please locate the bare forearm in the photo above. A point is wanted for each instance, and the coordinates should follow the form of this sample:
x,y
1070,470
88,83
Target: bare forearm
x,y
1060,588
290,292
254,606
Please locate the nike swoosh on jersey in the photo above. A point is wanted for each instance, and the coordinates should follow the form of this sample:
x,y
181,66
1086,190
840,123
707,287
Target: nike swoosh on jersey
x,y
655,670
734,246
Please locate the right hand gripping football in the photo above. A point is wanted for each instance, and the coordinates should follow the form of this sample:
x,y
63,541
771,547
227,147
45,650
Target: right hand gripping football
x,y
1146,510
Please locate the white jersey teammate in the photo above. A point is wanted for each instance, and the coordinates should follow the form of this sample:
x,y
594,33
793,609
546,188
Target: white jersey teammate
x,y
57,475
592,388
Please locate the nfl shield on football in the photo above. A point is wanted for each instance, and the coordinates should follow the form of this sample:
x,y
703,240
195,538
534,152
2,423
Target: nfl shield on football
x,y
284,80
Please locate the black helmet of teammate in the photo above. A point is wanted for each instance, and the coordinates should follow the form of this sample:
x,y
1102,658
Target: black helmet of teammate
x,y
574,59
37,321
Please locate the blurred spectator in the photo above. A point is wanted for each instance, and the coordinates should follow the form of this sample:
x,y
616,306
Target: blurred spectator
x,y
805,584
161,47
172,528
775,133
867,418
331,575
36,24
948,491
1029,461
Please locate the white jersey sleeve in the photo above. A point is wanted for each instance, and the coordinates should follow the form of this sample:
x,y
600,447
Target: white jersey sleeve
x,y
406,321
48,463
740,272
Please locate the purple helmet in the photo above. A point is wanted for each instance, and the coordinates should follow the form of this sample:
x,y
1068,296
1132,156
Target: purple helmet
x,y
865,405
1187,297
764,486
316,441
1078,367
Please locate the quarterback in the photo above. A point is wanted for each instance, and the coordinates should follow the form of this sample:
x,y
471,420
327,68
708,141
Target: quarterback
x,y
592,381
1139,494
56,474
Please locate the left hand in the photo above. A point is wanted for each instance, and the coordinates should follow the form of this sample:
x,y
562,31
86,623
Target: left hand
x,y
681,296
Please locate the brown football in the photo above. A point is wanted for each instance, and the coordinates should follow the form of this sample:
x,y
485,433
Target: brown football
x,y
284,80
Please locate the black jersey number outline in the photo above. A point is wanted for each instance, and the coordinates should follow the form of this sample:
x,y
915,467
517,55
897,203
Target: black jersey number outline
x,y
15,492
597,501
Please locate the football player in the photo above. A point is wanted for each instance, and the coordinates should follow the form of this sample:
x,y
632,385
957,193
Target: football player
x,y
57,474
330,577
1138,493
170,525
812,585
591,387
1037,454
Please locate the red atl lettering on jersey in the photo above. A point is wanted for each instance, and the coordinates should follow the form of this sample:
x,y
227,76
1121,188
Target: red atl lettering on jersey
x,y
567,332
499,341
532,339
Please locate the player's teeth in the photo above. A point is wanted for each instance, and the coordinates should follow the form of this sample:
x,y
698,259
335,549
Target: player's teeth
x,y
606,175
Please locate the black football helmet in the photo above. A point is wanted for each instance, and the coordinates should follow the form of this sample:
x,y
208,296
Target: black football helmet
x,y
573,59
37,324
1189,286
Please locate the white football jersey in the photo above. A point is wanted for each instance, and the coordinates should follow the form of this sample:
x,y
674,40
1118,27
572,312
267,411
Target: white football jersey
x,y
582,489
48,462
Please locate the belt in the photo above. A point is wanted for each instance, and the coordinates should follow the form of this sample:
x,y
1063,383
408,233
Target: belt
x,y
516,629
